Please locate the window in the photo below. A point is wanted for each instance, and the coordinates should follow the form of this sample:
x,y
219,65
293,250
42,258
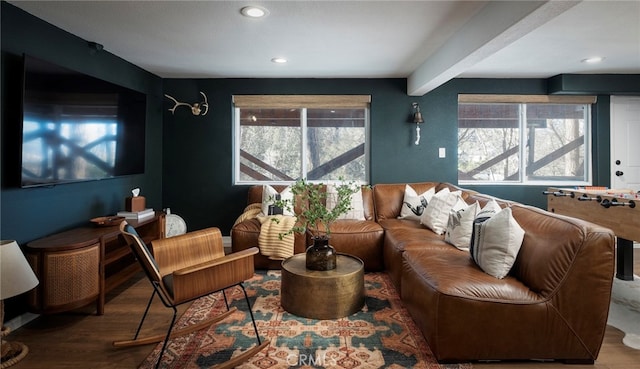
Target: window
x,y
281,138
524,139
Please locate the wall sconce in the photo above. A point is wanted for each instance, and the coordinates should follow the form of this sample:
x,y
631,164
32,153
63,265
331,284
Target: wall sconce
x,y
201,108
417,119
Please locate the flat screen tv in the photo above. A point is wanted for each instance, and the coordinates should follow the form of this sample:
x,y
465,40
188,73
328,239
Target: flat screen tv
x,y
76,127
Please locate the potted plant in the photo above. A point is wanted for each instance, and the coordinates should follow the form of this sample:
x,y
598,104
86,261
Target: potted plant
x,y
310,208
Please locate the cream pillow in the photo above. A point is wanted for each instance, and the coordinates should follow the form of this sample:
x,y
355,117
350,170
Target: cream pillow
x,y
413,205
269,195
489,209
496,242
460,226
436,215
461,236
357,206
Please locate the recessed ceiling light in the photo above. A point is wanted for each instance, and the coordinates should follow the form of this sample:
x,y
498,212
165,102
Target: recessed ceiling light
x,y
254,12
592,60
279,60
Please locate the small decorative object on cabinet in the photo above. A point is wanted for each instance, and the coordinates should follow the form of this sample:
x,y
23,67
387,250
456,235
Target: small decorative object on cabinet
x,y
174,224
81,265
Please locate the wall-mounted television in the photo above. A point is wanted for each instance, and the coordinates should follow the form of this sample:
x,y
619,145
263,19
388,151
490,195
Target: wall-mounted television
x,y
76,127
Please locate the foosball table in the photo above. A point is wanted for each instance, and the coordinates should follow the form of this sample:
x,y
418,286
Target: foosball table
x,y
618,210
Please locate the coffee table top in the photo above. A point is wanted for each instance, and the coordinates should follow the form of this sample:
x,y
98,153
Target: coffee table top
x,y
345,264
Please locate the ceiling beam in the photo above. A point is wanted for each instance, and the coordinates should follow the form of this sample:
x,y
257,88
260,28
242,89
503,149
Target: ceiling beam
x,y
497,24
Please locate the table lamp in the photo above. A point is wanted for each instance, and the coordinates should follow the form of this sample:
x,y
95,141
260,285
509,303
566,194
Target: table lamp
x,y
16,277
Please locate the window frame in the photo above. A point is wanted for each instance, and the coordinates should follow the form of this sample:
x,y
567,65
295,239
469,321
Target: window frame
x,y
523,101
303,103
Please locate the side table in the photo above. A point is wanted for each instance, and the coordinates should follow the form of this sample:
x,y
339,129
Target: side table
x,y
329,294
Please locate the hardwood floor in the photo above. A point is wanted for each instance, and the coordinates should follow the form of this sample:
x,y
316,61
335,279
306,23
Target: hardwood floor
x,y
81,340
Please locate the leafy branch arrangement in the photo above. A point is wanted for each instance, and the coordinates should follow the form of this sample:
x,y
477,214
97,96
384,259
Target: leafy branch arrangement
x,y
311,207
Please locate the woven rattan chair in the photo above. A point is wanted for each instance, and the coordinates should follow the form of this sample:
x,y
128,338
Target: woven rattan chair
x,y
184,268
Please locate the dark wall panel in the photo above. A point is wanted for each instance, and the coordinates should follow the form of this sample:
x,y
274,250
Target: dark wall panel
x,y
197,167
28,214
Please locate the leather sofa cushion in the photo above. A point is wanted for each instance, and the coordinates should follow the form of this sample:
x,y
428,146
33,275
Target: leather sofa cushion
x,y
394,223
397,240
360,238
452,272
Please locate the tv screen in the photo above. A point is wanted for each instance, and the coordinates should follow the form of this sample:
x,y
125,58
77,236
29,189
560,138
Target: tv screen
x,y
78,128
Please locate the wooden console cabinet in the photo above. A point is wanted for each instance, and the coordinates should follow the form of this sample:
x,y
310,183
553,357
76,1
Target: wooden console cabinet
x,y
81,265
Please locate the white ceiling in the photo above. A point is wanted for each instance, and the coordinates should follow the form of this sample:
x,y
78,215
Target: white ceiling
x,y
427,42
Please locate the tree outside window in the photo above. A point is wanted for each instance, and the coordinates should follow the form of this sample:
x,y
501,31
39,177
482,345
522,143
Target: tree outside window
x,y
283,144
524,143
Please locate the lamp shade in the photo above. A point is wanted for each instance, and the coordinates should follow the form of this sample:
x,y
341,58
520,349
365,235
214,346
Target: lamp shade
x,y
16,275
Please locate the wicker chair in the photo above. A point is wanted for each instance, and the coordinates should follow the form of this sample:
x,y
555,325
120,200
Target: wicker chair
x,y
185,268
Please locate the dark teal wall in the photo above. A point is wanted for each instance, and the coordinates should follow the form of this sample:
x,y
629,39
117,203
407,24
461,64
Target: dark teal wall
x,y
197,164
28,214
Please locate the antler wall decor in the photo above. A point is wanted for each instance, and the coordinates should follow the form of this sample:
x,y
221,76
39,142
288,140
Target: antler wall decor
x,y
196,108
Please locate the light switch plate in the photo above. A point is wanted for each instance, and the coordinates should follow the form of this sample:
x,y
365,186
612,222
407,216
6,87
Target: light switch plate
x,y
442,152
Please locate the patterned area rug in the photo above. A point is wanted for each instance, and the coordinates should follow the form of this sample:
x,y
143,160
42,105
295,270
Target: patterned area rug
x,y
381,335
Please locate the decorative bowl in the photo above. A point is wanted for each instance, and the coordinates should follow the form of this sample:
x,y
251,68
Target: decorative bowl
x,y
107,221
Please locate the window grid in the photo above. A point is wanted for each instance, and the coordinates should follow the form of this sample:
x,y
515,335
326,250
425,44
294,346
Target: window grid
x,y
553,147
333,143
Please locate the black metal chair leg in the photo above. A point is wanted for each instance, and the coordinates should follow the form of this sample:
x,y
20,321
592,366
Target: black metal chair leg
x,y
144,316
255,327
166,339
225,299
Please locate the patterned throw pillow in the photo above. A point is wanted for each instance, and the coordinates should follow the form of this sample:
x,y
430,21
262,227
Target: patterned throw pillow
x,y
269,195
436,214
413,205
357,207
460,226
495,242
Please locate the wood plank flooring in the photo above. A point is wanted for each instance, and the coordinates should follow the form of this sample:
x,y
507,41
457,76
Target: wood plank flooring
x,y
81,340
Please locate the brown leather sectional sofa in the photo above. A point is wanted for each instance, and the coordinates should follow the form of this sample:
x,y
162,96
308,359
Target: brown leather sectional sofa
x,y
553,304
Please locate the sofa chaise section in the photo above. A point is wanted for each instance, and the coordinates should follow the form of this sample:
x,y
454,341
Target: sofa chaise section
x,y
553,304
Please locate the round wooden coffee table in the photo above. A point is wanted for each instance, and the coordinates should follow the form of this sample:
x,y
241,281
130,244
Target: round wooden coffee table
x,y
328,294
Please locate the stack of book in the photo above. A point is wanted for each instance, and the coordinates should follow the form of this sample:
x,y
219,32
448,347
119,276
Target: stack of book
x,y
137,215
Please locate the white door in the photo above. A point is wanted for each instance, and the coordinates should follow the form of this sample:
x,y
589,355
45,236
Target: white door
x,y
625,142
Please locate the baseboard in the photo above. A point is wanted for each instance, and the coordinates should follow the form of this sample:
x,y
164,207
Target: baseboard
x,y
20,320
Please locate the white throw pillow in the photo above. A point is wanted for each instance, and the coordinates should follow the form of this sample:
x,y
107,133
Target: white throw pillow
x,y
269,195
357,207
489,209
436,215
413,205
496,242
460,226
